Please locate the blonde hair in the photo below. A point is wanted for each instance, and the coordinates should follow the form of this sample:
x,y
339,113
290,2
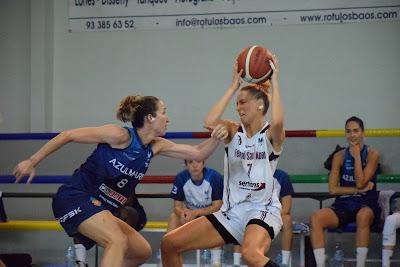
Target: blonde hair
x,y
136,108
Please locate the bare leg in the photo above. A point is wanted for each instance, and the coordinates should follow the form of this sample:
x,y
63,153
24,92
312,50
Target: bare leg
x,y
199,233
119,240
287,233
364,219
173,222
320,220
256,242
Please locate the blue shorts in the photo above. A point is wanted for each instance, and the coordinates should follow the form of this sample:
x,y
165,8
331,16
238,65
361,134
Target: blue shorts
x,y
71,207
346,210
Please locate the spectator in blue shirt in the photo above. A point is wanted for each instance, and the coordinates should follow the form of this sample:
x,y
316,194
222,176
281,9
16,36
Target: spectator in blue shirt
x,y
197,191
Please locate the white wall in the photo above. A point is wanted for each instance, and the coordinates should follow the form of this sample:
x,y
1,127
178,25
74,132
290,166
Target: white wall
x,y
14,65
328,72
51,79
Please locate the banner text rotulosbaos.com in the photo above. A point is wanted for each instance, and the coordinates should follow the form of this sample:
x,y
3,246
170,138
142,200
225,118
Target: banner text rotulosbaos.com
x,y
119,15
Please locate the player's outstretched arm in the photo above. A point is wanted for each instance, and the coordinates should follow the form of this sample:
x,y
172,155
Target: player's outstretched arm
x,y
189,152
114,135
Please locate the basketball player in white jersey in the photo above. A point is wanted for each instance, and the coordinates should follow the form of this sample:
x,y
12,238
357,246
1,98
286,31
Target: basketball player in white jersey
x,y
250,215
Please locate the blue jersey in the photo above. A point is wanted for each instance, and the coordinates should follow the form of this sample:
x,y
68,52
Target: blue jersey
x,y
198,195
286,188
109,174
347,174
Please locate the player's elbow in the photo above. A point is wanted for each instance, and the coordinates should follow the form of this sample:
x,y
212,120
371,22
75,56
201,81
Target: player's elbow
x,y
209,124
277,122
361,184
67,136
198,156
333,190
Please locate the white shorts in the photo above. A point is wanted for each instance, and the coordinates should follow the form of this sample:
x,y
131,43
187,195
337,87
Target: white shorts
x,y
232,224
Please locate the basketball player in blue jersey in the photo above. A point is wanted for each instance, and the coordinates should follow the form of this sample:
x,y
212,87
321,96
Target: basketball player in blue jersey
x,y
132,212
251,211
85,205
353,180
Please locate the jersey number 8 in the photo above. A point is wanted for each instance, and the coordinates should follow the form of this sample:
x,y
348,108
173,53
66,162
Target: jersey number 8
x,y
122,183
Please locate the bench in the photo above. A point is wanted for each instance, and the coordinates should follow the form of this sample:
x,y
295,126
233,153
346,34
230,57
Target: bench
x,y
53,225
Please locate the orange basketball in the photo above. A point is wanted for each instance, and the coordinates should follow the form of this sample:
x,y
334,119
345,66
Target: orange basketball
x,y
254,61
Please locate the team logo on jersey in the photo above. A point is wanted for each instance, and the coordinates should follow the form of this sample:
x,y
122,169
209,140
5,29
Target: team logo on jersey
x,y
246,185
125,170
261,139
112,194
147,163
70,214
248,155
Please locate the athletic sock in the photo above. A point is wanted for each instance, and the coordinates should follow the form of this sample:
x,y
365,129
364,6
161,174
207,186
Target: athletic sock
x,y
80,252
361,256
216,257
236,258
286,258
319,255
386,255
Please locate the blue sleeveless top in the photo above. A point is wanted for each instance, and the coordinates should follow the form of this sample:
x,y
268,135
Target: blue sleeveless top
x,y
347,173
109,174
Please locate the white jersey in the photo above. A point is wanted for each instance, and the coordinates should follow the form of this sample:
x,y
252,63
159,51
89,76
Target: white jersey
x,y
248,170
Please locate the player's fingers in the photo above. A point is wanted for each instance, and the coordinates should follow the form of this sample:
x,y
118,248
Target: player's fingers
x,y
15,171
18,176
31,177
210,128
272,65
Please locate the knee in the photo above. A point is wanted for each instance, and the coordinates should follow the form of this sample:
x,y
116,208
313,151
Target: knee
x,y
287,222
118,240
251,256
169,243
315,221
364,218
144,254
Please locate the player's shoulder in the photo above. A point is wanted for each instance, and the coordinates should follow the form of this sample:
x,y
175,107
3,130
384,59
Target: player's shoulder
x,y
182,176
211,174
373,152
280,172
281,175
340,154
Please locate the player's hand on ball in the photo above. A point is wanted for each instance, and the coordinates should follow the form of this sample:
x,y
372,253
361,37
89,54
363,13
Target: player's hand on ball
x,y
236,76
274,63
